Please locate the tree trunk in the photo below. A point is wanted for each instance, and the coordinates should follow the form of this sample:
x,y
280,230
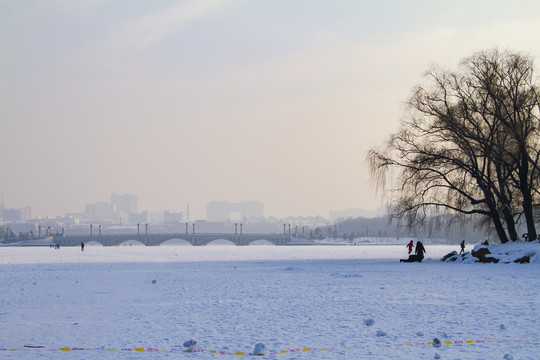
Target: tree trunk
x,y
527,198
506,208
494,214
500,229
510,225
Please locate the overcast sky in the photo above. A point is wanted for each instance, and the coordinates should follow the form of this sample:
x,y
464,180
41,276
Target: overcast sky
x,y
195,101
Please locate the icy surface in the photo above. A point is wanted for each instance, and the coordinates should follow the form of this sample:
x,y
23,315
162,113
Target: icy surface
x,y
230,298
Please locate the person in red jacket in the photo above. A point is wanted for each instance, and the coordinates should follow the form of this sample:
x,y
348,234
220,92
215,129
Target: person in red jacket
x,y
410,246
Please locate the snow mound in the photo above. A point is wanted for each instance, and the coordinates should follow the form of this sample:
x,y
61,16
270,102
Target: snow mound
x,y
260,349
190,345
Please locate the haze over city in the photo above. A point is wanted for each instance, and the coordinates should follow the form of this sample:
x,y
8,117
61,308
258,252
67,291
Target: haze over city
x,y
201,101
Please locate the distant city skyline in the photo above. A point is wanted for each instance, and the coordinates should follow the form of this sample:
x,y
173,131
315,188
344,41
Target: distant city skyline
x,y
121,206
193,101
200,215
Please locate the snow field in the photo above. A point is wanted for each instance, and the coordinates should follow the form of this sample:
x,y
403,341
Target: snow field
x,y
231,298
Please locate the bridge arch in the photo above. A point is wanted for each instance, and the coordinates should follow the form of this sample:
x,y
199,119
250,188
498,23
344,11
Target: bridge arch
x,y
93,243
261,242
175,241
220,242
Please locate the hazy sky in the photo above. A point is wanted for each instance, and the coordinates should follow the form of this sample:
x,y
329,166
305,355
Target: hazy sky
x,y
195,101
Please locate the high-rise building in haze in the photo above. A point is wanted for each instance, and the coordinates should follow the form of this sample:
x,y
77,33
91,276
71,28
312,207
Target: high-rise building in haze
x,y
126,204
172,217
17,214
118,210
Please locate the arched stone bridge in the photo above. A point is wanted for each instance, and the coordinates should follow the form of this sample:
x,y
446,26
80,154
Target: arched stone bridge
x,y
158,239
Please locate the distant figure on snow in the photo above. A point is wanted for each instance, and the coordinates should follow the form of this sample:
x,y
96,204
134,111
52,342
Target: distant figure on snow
x,y
82,246
462,247
410,246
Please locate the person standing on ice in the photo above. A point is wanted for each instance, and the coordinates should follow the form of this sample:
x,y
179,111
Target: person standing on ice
x,y
462,247
420,250
410,246
82,246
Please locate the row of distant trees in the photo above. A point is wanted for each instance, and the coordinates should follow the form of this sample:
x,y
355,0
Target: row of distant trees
x,y
441,228
335,232
6,233
469,145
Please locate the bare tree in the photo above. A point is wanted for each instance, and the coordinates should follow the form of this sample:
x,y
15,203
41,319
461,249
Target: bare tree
x,y
507,81
463,145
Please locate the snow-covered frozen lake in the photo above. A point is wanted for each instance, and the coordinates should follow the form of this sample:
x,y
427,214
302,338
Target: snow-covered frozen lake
x,y
314,299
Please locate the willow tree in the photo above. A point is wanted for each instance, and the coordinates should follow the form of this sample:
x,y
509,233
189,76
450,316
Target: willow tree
x,y
463,143
508,83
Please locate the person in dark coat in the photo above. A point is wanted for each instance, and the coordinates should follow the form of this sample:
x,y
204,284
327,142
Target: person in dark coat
x,y
82,246
420,250
462,247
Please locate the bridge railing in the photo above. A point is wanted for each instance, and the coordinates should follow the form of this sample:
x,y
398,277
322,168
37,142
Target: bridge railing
x,y
247,235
